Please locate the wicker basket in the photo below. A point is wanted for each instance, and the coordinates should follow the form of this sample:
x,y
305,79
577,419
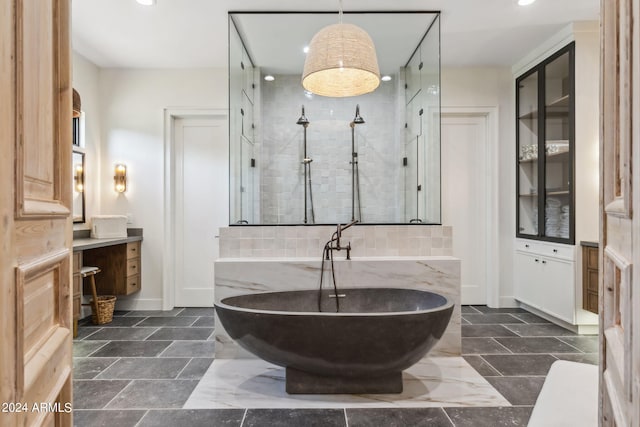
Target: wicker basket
x,y
102,312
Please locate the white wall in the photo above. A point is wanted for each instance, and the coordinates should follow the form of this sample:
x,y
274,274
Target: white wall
x,y
492,87
86,81
132,113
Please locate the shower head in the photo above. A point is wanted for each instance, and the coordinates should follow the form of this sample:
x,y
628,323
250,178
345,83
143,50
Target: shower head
x,y
358,120
303,119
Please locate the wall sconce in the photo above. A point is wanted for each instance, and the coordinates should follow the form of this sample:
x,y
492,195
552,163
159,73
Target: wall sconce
x,y
78,177
120,178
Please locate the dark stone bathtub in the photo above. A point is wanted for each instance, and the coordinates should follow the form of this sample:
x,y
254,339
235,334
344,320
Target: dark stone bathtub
x,y
363,348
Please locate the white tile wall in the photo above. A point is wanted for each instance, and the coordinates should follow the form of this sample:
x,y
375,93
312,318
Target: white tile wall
x,y
308,241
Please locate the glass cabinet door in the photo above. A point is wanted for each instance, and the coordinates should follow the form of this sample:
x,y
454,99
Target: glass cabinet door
x,y
545,128
528,155
558,174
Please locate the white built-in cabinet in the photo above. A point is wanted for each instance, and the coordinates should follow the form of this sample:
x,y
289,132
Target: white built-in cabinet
x,y
548,270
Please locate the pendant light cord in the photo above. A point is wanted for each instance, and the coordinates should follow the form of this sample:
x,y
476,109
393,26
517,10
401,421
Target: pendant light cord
x,y
340,11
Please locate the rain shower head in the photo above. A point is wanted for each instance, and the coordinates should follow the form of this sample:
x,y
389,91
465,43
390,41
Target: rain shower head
x,y
358,120
303,119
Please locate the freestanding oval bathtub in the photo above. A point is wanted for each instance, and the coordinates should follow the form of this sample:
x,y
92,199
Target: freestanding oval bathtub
x,y
362,348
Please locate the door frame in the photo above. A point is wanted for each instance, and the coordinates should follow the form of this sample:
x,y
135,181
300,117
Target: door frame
x,y
169,254
490,115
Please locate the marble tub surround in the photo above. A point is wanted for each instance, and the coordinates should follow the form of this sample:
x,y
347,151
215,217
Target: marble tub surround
x,y
308,240
254,383
438,274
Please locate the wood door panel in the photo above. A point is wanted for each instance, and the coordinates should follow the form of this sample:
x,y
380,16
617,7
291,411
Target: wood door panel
x,y
41,144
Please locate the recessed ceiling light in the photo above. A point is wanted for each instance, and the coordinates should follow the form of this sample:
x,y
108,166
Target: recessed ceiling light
x,y
305,49
525,2
385,78
146,2
269,78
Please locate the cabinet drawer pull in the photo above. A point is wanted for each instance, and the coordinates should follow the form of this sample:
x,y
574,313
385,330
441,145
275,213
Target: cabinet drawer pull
x,y
537,260
526,246
555,251
544,262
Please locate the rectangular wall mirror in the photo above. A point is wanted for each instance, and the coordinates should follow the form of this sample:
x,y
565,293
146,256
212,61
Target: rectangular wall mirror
x,y
382,170
78,182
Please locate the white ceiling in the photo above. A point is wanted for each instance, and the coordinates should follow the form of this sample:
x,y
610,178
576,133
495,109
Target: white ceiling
x,y
193,33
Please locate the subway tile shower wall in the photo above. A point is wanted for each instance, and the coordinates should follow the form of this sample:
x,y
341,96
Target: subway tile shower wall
x,y
308,241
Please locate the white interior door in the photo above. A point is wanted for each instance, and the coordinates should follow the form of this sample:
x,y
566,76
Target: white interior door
x,y
464,198
201,188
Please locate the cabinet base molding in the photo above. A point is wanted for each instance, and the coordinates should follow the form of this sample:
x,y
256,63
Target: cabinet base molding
x,y
578,329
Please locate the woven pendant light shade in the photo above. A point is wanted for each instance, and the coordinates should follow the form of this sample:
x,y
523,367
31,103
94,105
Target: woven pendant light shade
x,y
76,104
341,62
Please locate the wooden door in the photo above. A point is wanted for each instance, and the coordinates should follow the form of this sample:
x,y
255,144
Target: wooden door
x,y
620,215
35,221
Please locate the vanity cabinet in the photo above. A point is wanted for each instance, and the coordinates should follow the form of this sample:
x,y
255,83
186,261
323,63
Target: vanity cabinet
x,y
545,155
121,268
77,290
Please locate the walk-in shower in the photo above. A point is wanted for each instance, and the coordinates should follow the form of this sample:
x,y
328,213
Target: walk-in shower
x,y
386,171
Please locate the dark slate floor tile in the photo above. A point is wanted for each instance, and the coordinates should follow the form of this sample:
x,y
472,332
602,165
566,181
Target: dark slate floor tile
x,y
145,368
89,367
190,349
181,334
121,312
481,366
521,391
168,321
121,321
467,309
588,344
510,416
122,334
198,311
95,394
195,369
163,394
85,348
482,346
479,319
107,418
85,331
485,309
591,358
294,418
132,349
155,313
536,345
549,330
486,331
530,318
193,418
205,321
398,417
520,364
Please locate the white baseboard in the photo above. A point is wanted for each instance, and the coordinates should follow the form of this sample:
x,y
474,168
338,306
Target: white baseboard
x,y
139,304
507,302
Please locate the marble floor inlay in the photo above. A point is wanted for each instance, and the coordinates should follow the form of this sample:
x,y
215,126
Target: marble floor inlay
x,y
254,383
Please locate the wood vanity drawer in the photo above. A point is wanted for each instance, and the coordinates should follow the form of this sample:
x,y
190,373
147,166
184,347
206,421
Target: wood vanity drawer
x,y
133,266
77,262
592,258
77,285
133,284
76,307
133,250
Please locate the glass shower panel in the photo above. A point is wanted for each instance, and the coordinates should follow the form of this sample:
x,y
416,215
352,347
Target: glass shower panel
x,y
557,149
528,155
235,121
430,137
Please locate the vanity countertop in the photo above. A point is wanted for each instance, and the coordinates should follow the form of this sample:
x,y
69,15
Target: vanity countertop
x,y
82,241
